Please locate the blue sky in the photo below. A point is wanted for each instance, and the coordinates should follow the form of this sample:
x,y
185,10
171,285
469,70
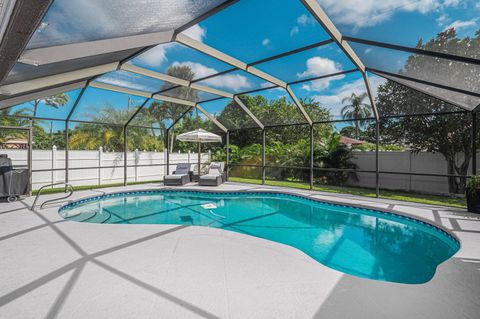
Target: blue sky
x,y
251,30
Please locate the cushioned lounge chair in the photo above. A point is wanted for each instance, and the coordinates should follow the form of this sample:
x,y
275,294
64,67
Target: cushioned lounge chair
x,y
215,175
180,176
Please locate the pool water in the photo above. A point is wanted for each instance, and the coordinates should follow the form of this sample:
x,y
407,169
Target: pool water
x,y
356,241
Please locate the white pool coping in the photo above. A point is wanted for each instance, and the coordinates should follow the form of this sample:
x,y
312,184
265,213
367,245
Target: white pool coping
x,y
54,268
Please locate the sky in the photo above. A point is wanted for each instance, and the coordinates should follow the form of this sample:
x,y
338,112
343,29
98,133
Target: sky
x,y
251,30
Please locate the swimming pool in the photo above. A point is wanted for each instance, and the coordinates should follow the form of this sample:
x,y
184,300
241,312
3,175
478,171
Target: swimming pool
x,y
357,241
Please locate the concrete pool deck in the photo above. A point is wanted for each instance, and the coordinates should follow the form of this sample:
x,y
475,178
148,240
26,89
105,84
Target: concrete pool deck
x,y
52,268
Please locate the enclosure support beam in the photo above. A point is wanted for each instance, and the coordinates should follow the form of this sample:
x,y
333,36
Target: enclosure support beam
x,y
172,79
202,47
263,156
311,156
67,146
29,155
57,79
227,155
53,54
474,143
211,118
327,24
370,96
247,110
125,145
377,158
24,19
167,144
136,112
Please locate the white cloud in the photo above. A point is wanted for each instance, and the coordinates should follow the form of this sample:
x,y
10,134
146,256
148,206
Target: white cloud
x,y
318,66
265,41
303,20
451,3
294,31
368,50
155,56
234,82
442,19
334,101
265,85
364,13
196,32
459,24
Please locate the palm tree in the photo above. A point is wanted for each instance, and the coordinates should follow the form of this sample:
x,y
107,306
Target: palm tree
x,y
15,118
55,101
166,110
355,110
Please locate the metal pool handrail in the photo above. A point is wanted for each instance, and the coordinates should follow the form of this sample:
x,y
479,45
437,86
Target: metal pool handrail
x,y
67,185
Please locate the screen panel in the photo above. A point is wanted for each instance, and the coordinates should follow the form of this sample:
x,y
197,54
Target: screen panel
x,y
159,114
335,98
78,21
228,113
273,107
236,82
460,75
52,107
104,106
131,81
320,61
251,30
439,26
23,72
180,61
464,101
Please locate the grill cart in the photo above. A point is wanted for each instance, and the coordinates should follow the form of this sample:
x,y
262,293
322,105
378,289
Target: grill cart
x,y
13,182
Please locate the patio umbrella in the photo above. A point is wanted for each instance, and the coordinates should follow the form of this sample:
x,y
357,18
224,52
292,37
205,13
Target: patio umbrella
x,y
199,136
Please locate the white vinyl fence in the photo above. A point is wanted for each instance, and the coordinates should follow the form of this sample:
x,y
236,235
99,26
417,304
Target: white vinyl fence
x,y
111,163
112,171
404,162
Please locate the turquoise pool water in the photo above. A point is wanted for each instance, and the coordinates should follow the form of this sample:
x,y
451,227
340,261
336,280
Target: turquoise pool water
x,y
360,242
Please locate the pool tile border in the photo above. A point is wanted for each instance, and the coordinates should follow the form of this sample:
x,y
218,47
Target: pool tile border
x,y
254,192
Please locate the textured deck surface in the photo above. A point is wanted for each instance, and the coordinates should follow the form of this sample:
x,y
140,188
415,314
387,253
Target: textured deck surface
x,y
52,268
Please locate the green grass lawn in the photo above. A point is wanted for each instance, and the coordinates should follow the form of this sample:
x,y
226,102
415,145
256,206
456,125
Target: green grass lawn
x,y
368,192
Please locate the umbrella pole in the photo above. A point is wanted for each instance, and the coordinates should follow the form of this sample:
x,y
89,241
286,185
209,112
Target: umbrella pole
x,y
199,157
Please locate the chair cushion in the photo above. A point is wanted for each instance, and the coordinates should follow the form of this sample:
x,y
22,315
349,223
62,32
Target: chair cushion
x,y
175,177
216,168
182,169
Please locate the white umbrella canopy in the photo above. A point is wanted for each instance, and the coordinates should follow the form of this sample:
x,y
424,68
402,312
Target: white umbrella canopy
x,y
199,136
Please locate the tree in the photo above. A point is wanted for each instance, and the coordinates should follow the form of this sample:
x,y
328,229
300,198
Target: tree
x,y
449,135
162,111
355,110
55,101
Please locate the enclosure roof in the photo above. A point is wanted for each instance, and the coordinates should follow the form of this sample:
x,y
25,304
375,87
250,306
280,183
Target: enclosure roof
x,y
217,55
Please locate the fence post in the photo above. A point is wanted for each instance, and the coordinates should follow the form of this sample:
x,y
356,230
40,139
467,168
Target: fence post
x,y
137,159
125,156
227,154
100,161
54,164
67,148
263,157
474,143
377,159
311,156
167,157
188,156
